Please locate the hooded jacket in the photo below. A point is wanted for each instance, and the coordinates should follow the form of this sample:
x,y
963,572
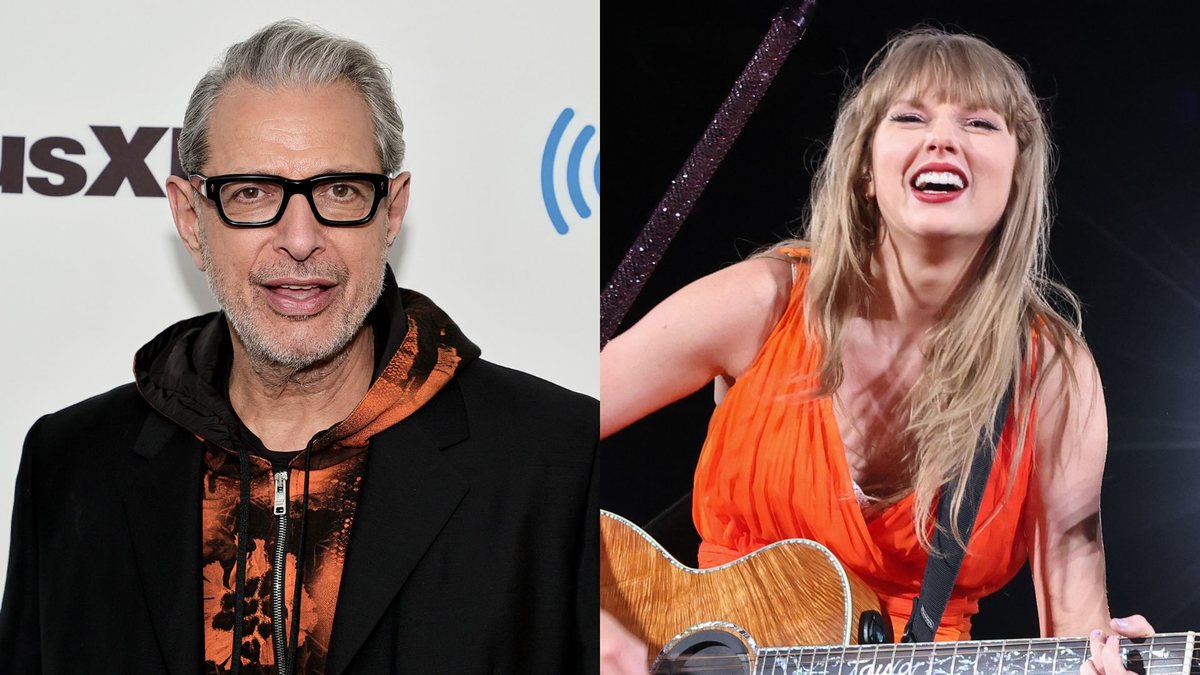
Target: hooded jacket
x,y
442,526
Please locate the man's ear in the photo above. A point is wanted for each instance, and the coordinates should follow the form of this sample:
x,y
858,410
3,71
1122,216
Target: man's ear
x,y
187,219
397,201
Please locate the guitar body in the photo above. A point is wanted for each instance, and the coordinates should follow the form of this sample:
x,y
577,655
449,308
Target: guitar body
x,y
793,592
791,609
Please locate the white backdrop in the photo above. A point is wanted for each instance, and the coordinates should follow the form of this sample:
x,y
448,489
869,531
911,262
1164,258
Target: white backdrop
x,y
88,279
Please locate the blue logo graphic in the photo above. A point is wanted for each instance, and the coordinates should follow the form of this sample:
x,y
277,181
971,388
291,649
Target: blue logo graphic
x,y
574,159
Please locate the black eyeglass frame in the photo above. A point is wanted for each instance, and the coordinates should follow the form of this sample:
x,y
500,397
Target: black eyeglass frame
x,y
210,186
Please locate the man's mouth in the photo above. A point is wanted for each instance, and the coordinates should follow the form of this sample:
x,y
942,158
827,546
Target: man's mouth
x,y
297,291
299,298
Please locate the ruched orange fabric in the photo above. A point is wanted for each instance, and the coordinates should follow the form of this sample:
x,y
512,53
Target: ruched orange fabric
x,y
773,467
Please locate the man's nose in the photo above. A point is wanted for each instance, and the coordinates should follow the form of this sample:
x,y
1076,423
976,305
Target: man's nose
x,y
298,233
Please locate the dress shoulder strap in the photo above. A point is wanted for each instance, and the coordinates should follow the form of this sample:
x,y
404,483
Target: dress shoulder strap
x,y
800,259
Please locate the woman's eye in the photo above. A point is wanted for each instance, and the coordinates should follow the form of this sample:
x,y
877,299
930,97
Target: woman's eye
x,y
984,124
906,117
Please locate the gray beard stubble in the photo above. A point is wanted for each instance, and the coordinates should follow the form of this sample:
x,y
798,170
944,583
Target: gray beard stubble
x,y
259,348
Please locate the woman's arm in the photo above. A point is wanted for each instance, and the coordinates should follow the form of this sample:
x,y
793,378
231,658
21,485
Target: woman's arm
x,y
1063,516
714,326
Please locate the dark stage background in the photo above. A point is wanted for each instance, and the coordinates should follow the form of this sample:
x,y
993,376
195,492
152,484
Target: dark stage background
x,y
1121,82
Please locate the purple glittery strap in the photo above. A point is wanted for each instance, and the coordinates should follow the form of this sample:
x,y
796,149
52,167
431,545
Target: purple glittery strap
x,y
786,30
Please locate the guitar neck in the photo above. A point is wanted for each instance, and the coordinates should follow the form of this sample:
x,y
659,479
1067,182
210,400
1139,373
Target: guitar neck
x,y
1166,654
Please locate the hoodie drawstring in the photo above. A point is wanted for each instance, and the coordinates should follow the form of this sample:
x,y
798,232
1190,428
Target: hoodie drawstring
x,y
239,611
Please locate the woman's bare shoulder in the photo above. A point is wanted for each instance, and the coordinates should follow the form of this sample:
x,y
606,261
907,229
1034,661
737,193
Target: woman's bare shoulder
x,y
714,326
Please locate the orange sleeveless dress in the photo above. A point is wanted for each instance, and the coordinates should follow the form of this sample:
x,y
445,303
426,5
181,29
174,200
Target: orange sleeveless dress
x,y
773,467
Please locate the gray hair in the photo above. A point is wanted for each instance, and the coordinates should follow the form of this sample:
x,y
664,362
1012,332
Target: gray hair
x,y
290,53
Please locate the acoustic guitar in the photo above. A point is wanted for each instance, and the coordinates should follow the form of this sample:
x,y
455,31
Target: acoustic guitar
x,y
792,609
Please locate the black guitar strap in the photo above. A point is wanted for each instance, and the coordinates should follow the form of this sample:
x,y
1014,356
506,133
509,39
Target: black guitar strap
x,y
941,571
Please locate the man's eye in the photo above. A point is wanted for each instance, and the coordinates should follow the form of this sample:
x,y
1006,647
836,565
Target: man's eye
x,y
245,192
345,192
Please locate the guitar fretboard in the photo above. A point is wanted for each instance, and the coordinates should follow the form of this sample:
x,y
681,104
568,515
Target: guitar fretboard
x,y
1166,654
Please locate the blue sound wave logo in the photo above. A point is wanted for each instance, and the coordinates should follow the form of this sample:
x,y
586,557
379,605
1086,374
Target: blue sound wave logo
x,y
574,161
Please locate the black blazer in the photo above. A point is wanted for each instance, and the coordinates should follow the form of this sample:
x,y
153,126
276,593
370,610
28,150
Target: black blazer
x,y
474,548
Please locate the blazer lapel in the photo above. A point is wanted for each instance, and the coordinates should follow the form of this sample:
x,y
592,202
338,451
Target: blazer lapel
x,y
162,505
409,492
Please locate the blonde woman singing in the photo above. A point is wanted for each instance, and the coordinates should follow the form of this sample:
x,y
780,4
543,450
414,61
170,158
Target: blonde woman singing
x,y
856,368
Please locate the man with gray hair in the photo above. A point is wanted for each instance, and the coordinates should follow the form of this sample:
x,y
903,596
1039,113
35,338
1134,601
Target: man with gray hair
x,y
323,477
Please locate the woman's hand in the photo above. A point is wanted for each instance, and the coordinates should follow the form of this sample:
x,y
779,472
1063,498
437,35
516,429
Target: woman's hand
x,y
1106,649
621,653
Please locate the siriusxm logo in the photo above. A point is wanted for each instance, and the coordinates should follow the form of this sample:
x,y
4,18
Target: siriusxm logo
x,y
127,161
570,176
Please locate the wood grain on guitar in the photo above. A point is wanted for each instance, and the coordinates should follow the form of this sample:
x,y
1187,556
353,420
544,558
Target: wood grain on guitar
x,y
791,609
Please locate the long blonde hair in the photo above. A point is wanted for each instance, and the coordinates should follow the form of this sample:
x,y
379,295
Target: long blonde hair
x,y
976,349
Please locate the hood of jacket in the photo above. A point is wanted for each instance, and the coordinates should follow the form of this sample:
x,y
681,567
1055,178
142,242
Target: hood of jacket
x,y
184,372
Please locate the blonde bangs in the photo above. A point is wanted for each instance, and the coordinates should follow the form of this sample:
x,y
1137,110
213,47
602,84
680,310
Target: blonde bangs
x,y
956,69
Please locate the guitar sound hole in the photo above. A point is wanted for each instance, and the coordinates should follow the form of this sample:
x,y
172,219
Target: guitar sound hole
x,y
872,629
712,652
1135,661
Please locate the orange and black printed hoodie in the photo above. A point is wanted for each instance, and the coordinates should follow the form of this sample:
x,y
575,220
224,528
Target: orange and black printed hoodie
x,y
248,510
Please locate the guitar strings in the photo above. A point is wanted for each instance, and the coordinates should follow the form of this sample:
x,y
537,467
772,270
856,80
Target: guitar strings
x,y
1033,645
700,664
1034,648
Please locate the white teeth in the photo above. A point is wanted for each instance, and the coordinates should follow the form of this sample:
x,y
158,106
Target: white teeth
x,y
298,288
938,178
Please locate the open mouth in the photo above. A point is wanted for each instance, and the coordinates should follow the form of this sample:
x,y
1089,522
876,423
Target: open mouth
x,y
939,182
299,298
298,292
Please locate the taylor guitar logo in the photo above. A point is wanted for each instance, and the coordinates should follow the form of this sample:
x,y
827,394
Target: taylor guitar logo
x,y
792,609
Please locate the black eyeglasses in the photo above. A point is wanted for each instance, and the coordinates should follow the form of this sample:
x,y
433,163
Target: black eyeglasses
x,y
337,199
